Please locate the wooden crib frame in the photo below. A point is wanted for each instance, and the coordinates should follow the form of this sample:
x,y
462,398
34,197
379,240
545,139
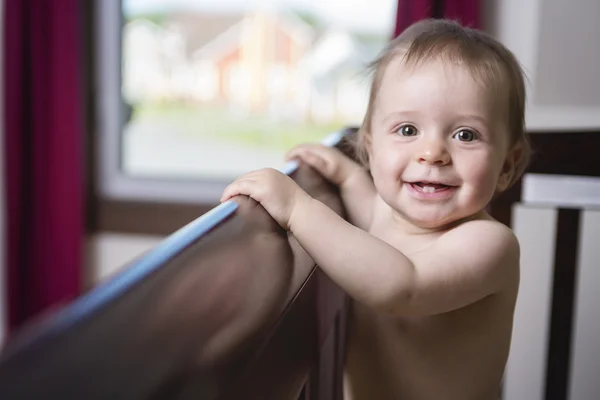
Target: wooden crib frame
x,y
228,307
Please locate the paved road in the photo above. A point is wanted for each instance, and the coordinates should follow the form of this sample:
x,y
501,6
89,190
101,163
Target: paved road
x,y
157,151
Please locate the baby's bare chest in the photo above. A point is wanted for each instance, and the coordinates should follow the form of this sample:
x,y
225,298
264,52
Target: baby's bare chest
x,y
407,336
409,356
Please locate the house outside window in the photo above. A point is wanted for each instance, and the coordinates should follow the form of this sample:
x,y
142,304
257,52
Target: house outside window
x,y
213,89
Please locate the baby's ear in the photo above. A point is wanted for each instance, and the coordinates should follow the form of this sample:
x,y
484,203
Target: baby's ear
x,y
509,169
364,147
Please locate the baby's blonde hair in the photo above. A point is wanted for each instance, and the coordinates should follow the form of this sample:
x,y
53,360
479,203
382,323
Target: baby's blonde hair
x,y
489,62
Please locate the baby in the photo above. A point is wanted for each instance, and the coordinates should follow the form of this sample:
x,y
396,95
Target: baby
x,y
433,277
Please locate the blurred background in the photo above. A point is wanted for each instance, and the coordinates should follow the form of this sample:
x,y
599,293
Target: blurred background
x,y
124,120
214,90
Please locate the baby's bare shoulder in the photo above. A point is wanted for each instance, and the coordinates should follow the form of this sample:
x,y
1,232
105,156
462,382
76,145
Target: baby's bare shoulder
x,y
484,234
466,264
486,246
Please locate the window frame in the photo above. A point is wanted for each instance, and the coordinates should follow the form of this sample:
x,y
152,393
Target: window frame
x,y
116,202
113,183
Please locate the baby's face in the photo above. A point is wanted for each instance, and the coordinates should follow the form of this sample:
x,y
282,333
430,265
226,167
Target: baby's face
x,y
438,142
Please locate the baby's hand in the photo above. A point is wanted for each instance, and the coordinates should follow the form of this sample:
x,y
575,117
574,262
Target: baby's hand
x,y
330,162
274,190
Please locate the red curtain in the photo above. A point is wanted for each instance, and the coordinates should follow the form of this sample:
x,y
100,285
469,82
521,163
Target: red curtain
x,y
467,12
43,155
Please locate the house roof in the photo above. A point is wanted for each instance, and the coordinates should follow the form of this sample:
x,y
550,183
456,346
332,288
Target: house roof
x,y
199,29
338,51
206,31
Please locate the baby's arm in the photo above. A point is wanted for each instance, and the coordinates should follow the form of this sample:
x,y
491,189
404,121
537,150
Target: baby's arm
x,y
473,261
464,265
356,187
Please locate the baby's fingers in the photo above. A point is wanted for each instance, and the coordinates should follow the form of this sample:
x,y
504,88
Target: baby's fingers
x,y
316,161
310,154
296,152
242,186
301,149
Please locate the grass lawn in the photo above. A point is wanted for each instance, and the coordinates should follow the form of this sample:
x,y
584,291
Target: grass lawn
x,y
219,124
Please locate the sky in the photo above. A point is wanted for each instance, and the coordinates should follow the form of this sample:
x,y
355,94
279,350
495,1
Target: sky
x,y
373,16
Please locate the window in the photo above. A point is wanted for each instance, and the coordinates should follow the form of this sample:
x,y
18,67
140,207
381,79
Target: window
x,y
196,92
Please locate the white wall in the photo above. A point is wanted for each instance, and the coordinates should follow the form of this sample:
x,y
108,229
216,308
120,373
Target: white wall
x,y
556,41
568,54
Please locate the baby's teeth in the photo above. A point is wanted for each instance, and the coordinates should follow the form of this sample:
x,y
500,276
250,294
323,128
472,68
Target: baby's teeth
x,y
428,189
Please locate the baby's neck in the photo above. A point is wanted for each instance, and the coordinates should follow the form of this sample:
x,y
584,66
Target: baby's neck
x,y
404,224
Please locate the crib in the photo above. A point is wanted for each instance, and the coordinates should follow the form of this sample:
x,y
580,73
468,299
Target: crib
x,y
231,306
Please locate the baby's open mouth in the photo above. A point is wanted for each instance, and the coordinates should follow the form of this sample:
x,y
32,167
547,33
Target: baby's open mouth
x,y
428,187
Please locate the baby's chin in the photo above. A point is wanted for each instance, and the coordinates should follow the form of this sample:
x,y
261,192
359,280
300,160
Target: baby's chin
x,y
431,217
432,222
435,224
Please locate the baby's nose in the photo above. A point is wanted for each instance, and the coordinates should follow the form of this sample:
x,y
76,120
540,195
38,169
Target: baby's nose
x,y
434,153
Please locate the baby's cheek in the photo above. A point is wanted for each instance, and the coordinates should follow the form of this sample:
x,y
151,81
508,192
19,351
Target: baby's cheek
x,y
483,182
389,163
385,174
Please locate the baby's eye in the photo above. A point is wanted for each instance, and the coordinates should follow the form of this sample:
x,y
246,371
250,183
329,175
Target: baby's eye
x,y
465,135
407,130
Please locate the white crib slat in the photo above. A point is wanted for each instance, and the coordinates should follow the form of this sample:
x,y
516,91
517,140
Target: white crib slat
x,y
526,368
585,361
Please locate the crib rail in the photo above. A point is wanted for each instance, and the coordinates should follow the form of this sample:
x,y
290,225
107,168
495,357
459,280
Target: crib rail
x,y
228,307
